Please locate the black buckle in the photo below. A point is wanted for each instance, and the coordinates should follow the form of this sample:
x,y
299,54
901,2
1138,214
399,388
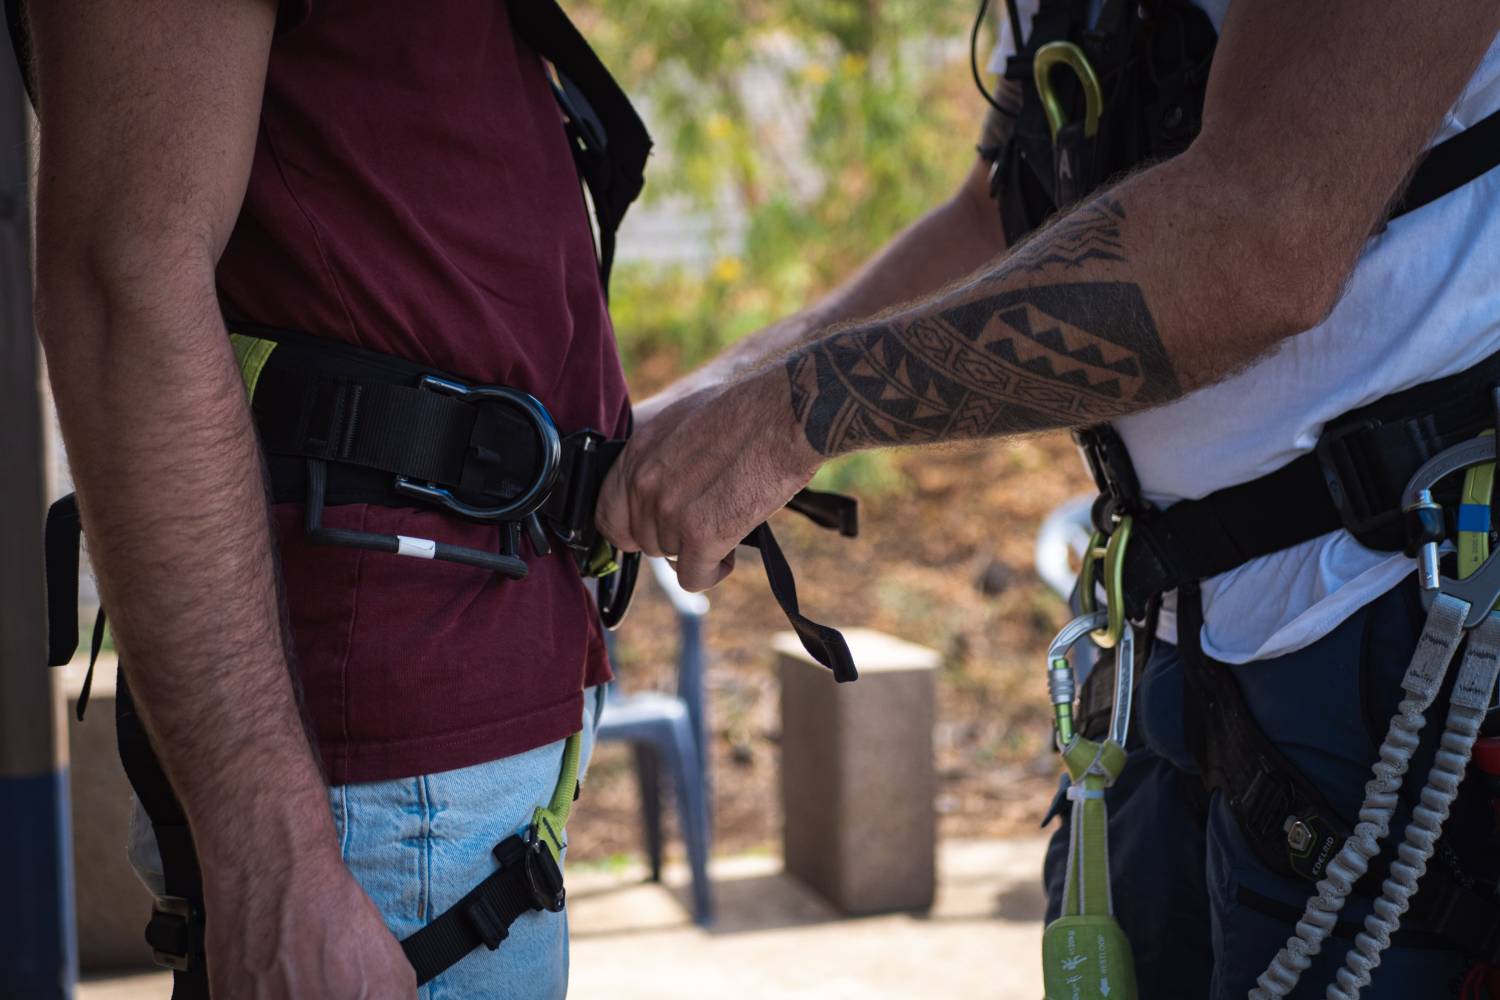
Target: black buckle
x,y
1114,474
174,933
538,870
617,588
529,499
1341,477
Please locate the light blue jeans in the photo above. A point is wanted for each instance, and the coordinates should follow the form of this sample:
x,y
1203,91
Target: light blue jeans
x,y
417,845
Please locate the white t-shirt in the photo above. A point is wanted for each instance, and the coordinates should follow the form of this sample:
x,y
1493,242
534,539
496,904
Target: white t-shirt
x,y
1423,302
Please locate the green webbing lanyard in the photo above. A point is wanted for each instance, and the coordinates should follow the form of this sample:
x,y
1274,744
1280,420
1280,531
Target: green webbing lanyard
x,y
548,821
1085,954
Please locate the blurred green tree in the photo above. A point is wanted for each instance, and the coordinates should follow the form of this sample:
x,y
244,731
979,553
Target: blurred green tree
x,y
805,132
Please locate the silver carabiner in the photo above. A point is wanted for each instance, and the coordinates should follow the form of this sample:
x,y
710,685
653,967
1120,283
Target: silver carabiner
x,y
1480,589
1061,685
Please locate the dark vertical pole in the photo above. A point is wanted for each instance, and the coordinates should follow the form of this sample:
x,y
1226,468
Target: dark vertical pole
x,y
38,952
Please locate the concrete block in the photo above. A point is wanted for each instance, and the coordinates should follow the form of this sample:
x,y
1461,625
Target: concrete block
x,y
111,904
857,774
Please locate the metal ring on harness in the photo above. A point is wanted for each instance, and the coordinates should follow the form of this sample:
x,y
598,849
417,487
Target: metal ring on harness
x,y
1111,551
1478,590
530,498
1048,58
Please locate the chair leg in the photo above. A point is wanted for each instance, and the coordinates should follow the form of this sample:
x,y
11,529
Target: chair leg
x,y
693,809
648,776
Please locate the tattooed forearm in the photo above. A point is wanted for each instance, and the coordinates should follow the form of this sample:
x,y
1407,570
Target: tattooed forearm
x,y
1090,233
988,362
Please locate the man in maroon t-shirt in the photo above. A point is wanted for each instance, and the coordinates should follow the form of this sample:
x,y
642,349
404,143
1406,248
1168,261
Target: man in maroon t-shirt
x,y
394,177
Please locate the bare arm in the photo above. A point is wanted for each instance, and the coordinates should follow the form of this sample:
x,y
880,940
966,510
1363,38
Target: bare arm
x,y
1171,280
1185,272
149,114
950,241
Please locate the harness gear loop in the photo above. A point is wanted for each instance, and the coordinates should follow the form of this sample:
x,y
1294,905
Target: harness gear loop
x,y
1110,550
1085,953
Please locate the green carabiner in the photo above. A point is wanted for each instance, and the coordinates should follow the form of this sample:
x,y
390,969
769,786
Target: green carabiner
x,y
1048,58
1111,551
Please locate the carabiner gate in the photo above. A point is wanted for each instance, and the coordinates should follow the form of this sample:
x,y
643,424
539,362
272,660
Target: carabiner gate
x,y
1062,683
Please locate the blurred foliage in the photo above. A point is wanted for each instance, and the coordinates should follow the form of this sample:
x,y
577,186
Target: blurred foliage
x,y
807,133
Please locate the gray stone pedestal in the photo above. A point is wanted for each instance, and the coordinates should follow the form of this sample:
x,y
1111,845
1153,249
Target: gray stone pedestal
x,y
857,776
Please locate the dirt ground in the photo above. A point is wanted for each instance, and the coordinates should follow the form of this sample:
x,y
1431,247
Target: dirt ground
x,y
945,560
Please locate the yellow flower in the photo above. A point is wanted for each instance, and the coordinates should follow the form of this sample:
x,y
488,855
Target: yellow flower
x,y
815,74
728,269
718,126
853,64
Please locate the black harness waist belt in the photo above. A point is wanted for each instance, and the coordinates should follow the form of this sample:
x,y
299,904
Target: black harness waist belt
x,y
1352,480
343,425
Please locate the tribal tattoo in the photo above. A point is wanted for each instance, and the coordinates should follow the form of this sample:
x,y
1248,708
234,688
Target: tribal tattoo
x,y
1063,354
1090,233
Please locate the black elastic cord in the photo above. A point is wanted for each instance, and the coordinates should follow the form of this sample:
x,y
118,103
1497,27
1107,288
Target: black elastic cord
x,y
1015,26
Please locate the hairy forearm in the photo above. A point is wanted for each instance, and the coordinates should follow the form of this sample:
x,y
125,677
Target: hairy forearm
x,y
946,243
165,460
1151,290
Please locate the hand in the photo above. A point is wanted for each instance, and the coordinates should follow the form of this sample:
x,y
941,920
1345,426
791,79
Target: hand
x,y
306,929
703,471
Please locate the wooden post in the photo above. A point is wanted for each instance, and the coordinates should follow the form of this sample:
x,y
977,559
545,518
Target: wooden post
x,y
38,956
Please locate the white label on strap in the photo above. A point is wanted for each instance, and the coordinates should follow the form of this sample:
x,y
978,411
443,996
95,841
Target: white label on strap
x,y
417,548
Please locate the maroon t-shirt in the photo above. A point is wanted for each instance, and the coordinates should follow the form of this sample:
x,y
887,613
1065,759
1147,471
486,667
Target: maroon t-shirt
x,y
413,193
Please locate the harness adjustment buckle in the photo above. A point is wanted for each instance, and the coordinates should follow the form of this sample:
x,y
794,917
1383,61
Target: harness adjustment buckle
x,y
1114,475
492,930
1340,471
175,933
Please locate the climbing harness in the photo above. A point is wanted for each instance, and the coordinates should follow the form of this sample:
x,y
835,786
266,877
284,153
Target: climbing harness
x,y
1085,954
1457,610
336,425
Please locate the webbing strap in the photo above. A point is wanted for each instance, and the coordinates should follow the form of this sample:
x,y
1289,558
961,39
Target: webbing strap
x,y
1352,480
1453,163
550,820
1092,767
822,642
612,164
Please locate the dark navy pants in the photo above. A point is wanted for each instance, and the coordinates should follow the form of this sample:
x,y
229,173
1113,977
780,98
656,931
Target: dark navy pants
x,y
1204,917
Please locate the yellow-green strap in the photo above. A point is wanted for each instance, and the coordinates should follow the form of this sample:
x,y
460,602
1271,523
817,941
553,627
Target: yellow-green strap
x,y
1092,767
251,354
1474,517
549,821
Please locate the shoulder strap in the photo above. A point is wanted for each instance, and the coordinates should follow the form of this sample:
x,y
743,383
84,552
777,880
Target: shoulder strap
x,y
15,22
1453,163
610,143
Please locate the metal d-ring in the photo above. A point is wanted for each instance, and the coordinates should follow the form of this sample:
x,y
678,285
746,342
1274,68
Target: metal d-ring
x,y
551,452
1480,589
